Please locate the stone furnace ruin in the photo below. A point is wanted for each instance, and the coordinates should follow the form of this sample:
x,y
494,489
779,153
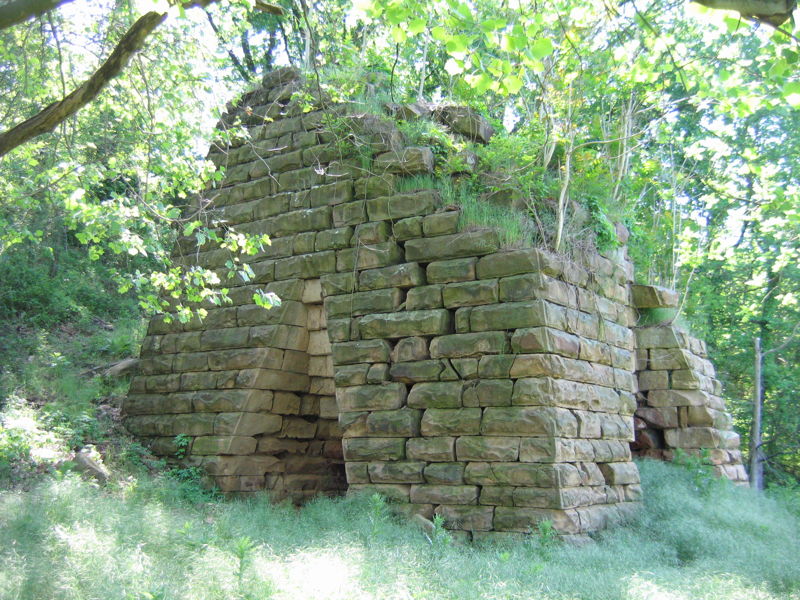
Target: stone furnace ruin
x,y
410,356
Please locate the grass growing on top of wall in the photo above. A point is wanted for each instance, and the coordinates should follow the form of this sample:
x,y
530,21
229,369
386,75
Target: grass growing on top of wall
x,y
69,539
514,229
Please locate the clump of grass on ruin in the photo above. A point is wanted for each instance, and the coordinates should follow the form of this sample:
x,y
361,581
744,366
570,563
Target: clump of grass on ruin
x,y
69,538
513,227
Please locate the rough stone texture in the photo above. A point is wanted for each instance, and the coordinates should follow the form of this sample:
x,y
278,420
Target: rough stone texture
x,y
495,388
669,416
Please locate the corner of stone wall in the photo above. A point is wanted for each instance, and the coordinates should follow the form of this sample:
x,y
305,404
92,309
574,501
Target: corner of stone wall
x,y
679,402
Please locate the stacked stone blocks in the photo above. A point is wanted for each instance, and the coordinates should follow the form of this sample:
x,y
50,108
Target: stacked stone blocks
x,y
418,359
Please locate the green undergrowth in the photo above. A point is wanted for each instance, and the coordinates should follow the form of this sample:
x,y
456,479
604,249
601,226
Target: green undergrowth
x,y
70,539
55,397
513,228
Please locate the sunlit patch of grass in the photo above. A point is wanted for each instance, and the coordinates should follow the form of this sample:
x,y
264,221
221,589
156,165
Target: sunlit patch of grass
x,y
70,539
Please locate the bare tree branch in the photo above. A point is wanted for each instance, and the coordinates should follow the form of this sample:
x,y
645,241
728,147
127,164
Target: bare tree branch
x,y
47,119
134,39
17,11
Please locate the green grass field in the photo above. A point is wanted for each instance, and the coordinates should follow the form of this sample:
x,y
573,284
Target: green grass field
x,y
146,538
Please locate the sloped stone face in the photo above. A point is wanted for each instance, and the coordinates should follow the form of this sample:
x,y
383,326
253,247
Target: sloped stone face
x,y
492,387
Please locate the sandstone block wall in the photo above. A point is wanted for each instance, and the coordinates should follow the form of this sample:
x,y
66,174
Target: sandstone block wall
x,y
409,356
679,402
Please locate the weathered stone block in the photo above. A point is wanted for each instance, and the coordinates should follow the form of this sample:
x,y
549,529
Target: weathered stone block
x,y
466,368
373,187
208,445
468,518
357,472
400,276
663,398
394,423
405,324
246,424
241,465
529,421
406,229
426,296
333,239
489,392
701,437
516,262
335,193
660,337
495,367
470,293
444,494
374,448
408,161
441,223
451,421
363,351
412,348
445,473
378,373
451,271
226,400
349,213
388,396
396,472
339,283
589,423
445,394
469,243
620,473
653,296
653,380
431,449
363,303
469,344
269,379
703,416
369,257
662,418
298,428
155,404
417,371
545,339
480,448
513,315
402,205
219,339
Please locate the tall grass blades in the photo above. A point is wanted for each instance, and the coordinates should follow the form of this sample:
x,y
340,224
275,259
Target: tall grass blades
x,y
70,539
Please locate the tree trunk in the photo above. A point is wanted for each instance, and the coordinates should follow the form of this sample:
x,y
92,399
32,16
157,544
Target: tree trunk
x,y
756,463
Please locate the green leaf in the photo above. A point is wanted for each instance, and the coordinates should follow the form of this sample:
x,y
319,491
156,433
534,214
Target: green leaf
x,y
416,26
190,227
398,35
512,83
541,48
458,44
791,93
481,82
492,25
439,34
